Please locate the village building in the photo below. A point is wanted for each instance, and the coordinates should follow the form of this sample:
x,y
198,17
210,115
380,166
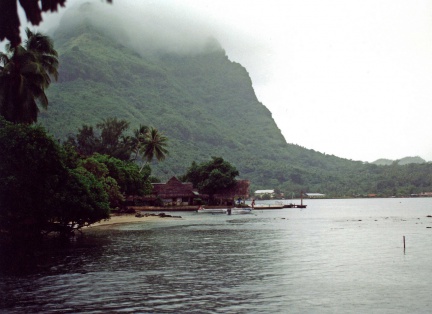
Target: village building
x,y
177,193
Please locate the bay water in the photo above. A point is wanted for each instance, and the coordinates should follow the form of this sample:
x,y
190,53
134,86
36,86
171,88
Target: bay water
x,y
335,256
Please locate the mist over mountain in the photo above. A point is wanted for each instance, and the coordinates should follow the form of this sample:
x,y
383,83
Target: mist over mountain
x,y
145,27
180,80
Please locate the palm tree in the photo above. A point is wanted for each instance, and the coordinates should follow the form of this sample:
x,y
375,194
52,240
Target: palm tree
x,y
25,73
154,146
138,140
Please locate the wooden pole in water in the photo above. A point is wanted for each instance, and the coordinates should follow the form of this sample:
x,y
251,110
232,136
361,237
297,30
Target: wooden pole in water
x,y
301,198
404,242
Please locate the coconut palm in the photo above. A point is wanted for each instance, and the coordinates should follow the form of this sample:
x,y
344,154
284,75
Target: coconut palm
x,y
154,146
138,140
25,73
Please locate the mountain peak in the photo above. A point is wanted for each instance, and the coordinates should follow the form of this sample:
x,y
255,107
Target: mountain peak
x,y
149,29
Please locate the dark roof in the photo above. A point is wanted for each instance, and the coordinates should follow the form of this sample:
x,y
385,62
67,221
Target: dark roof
x,y
174,188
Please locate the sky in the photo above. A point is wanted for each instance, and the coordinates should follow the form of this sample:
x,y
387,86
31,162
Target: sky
x,y
346,78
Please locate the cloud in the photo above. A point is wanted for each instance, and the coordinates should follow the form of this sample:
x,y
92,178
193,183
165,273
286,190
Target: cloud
x,y
145,25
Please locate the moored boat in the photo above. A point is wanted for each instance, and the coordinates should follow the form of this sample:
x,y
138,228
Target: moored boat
x,y
266,206
239,211
228,211
203,210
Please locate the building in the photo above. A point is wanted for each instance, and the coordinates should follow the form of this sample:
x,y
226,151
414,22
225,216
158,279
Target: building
x,y
173,192
314,195
259,193
177,193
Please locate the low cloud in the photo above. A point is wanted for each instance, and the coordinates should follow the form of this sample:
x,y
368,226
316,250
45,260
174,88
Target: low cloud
x,y
145,26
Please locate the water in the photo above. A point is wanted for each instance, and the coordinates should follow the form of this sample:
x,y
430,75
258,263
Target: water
x,y
335,256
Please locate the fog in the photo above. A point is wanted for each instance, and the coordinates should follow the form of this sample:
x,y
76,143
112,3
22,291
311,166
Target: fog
x,y
141,25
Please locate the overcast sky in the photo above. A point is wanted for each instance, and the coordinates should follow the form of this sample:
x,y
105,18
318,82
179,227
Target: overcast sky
x,y
347,78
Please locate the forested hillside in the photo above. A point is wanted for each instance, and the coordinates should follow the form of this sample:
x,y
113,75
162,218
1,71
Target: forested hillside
x,y
205,104
402,161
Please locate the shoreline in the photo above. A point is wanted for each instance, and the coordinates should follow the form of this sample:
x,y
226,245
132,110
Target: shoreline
x,y
120,220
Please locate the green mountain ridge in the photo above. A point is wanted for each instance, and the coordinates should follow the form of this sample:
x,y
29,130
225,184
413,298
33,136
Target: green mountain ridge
x,y
206,105
402,161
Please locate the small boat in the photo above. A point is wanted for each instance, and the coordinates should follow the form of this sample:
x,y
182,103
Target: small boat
x,y
239,211
266,206
228,211
203,210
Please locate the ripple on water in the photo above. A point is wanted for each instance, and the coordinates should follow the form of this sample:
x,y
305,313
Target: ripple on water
x,y
326,259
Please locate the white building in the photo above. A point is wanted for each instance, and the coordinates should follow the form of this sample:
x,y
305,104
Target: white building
x,y
263,192
314,195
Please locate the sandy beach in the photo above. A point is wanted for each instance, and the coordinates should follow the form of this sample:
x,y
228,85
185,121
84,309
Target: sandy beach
x,y
122,219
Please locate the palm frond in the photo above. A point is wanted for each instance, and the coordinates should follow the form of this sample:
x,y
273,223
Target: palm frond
x,y
26,72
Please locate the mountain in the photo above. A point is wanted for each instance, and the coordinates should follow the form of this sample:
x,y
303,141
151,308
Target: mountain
x,y
402,161
205,104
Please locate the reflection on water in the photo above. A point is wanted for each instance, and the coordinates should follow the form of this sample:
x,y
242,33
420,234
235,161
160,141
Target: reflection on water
x,y
335,256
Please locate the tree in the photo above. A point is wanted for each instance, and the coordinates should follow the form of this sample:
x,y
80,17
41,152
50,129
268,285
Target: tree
x,y
83,200
85,141
138,140
112,140
38,192
126,173
9,20
31,171
25,73
211,177
109,184
109,139
154,146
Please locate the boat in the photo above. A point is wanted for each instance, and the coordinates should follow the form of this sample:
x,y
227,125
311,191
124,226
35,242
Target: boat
x,y
228,211
266,206
203,210
239,211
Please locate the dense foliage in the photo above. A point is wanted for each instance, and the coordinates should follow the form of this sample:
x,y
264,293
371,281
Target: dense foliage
x,y
211,177
38,193
108,140
127,175
45,187
206,105
143,146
